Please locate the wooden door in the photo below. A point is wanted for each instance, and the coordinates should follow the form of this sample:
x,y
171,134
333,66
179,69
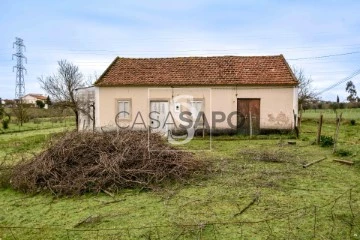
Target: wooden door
x,y
248,108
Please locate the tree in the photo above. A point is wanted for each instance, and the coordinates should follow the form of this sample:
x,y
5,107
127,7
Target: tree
x,y
20,112
306,92
62,86
40,104
350,88
48,101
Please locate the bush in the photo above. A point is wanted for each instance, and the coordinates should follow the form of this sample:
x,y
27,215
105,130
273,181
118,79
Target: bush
x,y
5,123
343,152
40,104
326,141
93,162
352,122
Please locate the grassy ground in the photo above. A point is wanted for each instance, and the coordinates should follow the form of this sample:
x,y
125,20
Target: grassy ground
x,y
348,114
40,124
258,190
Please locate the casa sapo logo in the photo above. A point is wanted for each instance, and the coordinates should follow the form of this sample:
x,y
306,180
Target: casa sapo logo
x,y
168,123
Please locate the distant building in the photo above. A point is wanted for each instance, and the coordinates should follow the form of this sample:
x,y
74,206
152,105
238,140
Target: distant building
x,y
31,98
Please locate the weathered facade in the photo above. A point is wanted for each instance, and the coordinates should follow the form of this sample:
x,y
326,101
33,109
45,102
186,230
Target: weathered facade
x,y
248,94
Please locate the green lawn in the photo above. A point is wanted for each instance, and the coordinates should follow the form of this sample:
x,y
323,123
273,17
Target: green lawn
x,y
348,114
243,197
40,124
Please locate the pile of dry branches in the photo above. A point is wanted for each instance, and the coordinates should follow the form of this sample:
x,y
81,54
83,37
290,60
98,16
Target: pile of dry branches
x,y
92,162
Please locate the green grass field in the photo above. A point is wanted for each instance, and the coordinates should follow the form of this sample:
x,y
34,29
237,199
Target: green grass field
x,y
242,198
40,124
348,114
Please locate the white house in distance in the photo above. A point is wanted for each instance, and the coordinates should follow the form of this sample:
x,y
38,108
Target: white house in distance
x,y
31,98
245,93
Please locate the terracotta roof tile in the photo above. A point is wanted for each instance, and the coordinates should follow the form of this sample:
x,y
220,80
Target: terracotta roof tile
x,y
37,96
187,71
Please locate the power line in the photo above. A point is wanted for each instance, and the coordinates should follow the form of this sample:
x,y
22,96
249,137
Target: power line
x,y
325,56
85,51
354,74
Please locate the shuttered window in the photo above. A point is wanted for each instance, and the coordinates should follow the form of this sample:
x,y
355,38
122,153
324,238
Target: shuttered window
x,y
196,107
124,109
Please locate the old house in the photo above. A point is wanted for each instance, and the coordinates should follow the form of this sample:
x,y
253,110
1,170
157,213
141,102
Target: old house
x,y
245,93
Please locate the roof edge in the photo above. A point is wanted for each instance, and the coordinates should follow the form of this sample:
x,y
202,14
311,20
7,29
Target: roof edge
x,y
290,70
198,56
200,85
106,71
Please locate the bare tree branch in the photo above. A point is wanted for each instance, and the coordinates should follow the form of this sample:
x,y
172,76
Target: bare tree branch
x,y
306,92
62,85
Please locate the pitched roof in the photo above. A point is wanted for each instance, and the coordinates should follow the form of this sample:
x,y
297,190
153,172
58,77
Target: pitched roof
x,y
198,71
37,96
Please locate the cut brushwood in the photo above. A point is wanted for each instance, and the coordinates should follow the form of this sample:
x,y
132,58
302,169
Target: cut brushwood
x,y
317,161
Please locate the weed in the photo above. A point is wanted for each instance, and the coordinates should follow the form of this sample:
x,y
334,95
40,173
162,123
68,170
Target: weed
x,y
343,152
326,141
5,175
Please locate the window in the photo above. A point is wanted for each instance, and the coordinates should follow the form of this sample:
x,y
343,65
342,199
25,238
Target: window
x,y
196,107
124,109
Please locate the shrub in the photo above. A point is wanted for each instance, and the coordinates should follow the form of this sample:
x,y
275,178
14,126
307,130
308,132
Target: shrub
x,y
5,123
40,104
343,152
352,122
326,141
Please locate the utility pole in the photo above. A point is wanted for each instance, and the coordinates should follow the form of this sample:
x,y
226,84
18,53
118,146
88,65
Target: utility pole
x,y
20,82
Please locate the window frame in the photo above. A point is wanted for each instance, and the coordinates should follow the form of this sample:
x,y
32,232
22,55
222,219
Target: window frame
x,y
195,100
117,111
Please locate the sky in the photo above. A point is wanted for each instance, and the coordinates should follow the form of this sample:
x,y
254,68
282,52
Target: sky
x,y
320,37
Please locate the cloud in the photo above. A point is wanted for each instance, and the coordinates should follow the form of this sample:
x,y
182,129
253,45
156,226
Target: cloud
x,y
91,34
